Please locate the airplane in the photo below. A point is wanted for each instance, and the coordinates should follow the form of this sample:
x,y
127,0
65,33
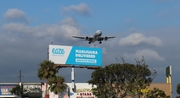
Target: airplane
x,y
96,37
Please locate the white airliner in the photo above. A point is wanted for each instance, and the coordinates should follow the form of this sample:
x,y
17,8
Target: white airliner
x,y
96,37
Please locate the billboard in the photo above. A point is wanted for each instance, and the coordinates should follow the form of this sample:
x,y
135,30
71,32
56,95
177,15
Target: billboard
x,y
5,89
75,55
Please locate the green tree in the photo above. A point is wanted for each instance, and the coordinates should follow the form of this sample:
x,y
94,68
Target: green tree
x,y
157,93
140,77
17,90
46,71
57,84
120,80
178,89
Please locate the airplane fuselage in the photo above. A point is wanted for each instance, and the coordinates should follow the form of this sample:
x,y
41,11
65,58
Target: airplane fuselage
x,y
96,37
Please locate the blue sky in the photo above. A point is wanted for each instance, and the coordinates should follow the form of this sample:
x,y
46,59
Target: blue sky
x,y
148,28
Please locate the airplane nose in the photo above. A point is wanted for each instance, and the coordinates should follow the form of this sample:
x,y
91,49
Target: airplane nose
x,y
99,32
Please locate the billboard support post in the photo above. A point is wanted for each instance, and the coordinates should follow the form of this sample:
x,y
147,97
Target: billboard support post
x,y
72,78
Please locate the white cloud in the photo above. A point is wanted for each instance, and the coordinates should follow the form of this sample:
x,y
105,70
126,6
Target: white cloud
x,y
29,43
15,15
138,38
148,54
81,9
70,21
16,28
63,30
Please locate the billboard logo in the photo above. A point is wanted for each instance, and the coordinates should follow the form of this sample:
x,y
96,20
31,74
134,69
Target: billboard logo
x,y
58,51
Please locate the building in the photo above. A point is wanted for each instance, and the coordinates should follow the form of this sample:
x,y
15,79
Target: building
x,y
79,90
32,90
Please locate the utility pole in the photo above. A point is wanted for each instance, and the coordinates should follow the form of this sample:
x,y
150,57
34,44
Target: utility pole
x,y
19,77
20,84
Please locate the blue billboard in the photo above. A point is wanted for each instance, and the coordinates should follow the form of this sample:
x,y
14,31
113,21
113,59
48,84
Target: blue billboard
x,y
75,55
5,89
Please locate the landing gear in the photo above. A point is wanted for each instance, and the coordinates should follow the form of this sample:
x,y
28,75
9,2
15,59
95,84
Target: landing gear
x,y
100,42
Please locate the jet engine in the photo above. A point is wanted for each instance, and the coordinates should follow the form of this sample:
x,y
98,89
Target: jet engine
x,y
87,38
105,38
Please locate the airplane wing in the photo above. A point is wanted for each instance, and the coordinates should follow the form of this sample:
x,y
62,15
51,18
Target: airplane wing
x,y
87,38
106,38
80,37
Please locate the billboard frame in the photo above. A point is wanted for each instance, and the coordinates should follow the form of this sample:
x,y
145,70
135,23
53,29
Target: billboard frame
x,y
70,54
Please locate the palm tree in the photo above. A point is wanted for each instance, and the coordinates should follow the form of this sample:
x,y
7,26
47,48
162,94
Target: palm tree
x,y
57,84
46,71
